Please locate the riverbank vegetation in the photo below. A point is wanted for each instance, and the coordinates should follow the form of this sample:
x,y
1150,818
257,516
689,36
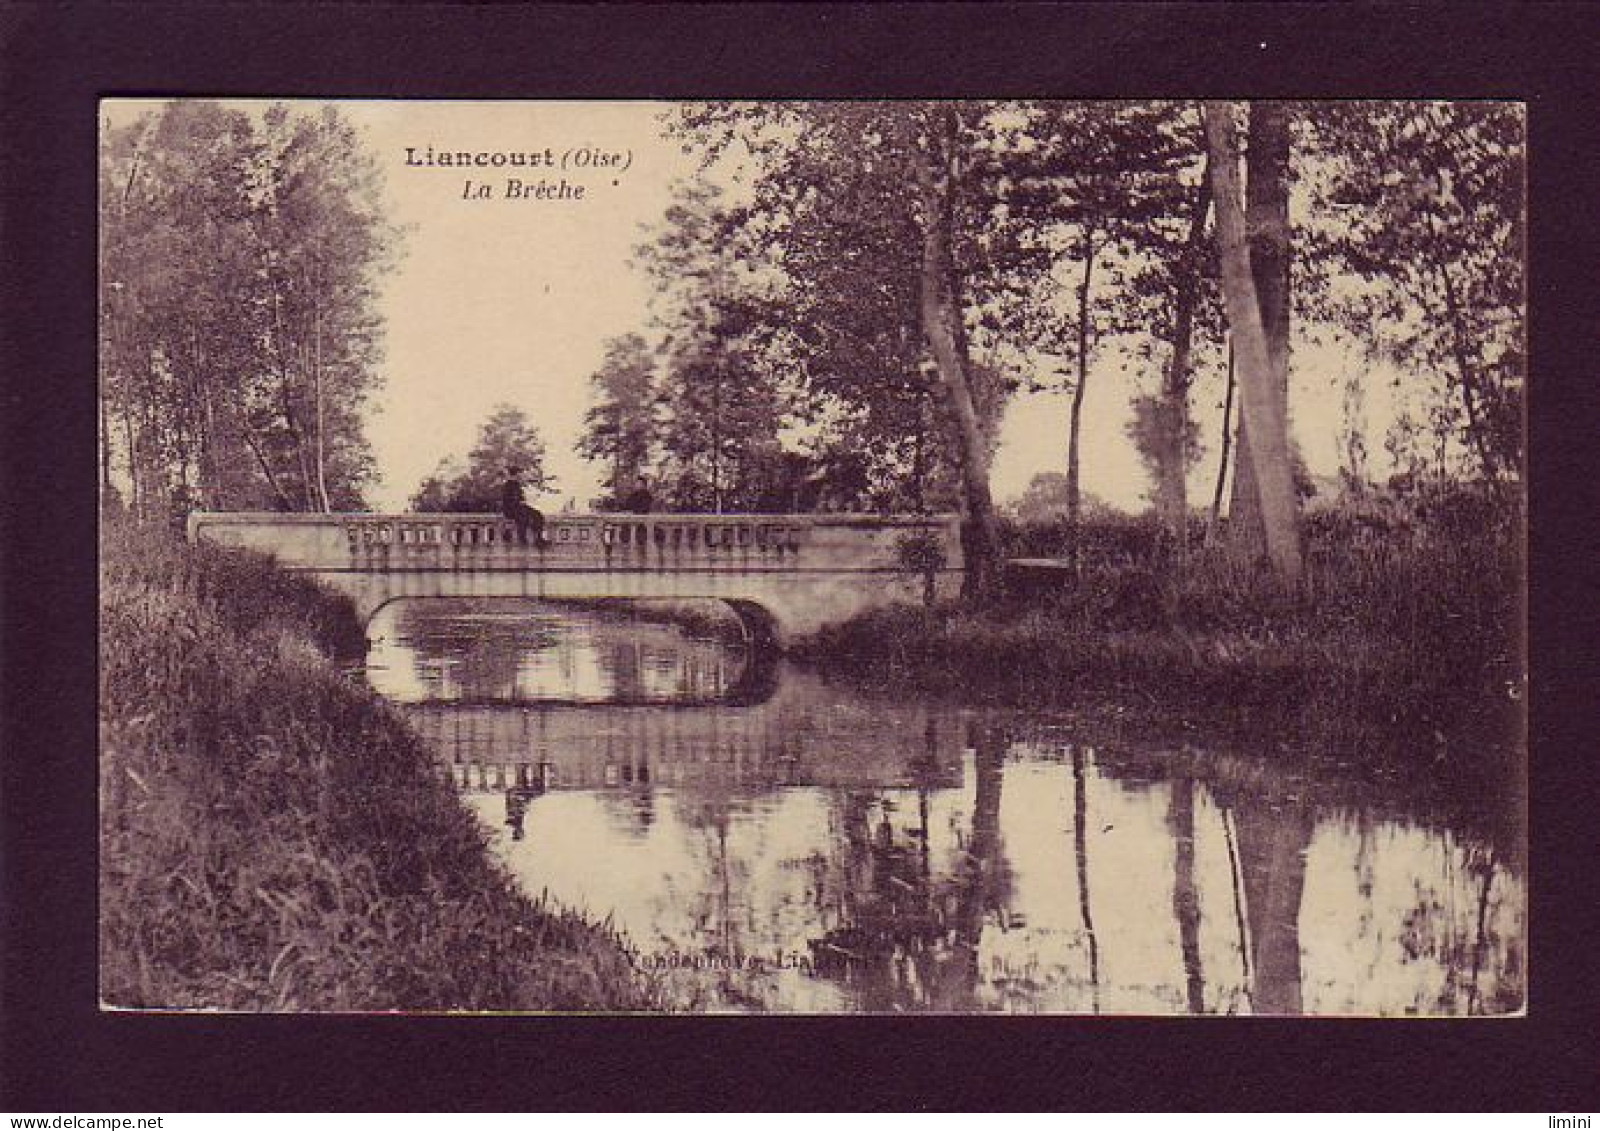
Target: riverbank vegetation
x,y
1401,653
273,836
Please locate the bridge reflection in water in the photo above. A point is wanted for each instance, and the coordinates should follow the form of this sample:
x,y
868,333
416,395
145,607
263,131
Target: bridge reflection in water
x,y
780,741
856,852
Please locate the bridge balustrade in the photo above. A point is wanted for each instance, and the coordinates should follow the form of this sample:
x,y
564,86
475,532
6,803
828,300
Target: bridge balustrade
x,y
469,541
785,575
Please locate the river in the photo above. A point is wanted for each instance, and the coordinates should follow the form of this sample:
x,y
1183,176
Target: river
x,y
767,839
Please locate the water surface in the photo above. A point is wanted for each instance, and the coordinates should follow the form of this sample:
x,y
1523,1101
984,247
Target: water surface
x,y
768,839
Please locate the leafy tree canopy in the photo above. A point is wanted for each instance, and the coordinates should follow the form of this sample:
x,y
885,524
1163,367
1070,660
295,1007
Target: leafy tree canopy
x,y
507,439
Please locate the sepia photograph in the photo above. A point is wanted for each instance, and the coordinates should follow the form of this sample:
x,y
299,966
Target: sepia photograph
x,y
813,557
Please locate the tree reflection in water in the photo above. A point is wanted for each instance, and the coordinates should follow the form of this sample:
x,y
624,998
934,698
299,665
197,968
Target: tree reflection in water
x,y
845,828
1185,899
1080,854
1469,946
518,650
909,938
1273,830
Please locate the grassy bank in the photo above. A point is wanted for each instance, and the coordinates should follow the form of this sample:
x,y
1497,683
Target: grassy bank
x,y
273,836
1403,649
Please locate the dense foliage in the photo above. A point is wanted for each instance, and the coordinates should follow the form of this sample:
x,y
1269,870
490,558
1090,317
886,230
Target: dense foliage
x,y
273,836
240,342
843,325
506,439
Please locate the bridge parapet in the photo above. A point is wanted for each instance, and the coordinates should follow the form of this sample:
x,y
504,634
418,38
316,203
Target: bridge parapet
x,y
740,543
782,574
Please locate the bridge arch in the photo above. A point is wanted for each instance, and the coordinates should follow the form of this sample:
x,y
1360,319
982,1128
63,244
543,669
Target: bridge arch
x,y
762,630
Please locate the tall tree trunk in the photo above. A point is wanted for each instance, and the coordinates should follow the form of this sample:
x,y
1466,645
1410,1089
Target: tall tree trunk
x,y
212,493
939,323
291,419
716,444
206,440
266,468
919,456
1227,443
184,439
1172,488
1467,373
1075,425
1267,235
138,450
296,434
321,415
117,345
152,463
1264,400
135,498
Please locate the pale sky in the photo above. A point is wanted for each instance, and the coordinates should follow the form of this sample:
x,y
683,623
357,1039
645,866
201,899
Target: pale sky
x,y
511,300
508,300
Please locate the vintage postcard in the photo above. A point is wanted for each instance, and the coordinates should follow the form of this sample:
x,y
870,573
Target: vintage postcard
x,y
813,557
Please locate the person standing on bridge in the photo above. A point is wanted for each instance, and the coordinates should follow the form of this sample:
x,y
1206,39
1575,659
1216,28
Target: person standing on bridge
x,y
514,505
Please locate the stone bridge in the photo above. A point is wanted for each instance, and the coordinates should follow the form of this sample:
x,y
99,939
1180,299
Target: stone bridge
x,y
784,575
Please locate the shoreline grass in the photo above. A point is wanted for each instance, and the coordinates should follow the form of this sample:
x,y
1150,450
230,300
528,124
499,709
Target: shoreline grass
x,y
1403,652
274,837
